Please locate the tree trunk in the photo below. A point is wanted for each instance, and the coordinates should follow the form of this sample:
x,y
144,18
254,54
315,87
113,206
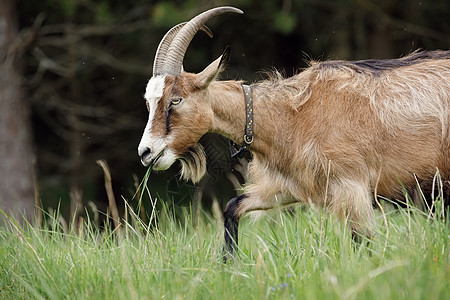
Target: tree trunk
x,y
17,188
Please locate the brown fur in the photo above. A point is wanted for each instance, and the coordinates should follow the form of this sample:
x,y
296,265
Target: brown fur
x,y
332,135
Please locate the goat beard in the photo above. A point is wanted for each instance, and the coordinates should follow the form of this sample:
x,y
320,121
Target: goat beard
x,y
193,163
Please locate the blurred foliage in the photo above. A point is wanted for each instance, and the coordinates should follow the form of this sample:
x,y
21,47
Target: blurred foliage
x,y
88,61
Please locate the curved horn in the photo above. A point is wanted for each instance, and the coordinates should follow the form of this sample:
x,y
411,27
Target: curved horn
x,y
178,47
164,45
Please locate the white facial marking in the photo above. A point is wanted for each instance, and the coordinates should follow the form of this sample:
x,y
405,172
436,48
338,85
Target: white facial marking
x,y
153,93
156,144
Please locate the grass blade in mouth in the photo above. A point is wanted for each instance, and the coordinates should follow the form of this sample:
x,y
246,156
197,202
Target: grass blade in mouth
x,y
156,159
143,184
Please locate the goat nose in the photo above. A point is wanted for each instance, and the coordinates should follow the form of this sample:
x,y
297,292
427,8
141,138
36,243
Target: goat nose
x,y
145,152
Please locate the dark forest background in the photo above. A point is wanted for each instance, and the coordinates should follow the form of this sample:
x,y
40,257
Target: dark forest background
x,y
73,74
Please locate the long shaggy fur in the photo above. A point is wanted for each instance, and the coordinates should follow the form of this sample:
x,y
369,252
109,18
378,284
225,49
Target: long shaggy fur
x,y
337,134
346,130
193,164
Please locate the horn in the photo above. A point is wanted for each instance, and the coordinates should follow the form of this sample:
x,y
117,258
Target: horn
x,y
164,45
175,54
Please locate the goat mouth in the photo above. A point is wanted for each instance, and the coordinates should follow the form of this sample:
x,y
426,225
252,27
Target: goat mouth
x,y
155,159
152,161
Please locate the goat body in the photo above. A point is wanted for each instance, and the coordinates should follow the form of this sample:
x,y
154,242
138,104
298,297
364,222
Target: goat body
x,y
337,134
340,133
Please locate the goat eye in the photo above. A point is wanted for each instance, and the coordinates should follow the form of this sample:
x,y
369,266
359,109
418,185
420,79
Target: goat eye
x,y
176,101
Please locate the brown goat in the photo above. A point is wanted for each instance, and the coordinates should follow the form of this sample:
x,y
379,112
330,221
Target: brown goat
x,y
335,135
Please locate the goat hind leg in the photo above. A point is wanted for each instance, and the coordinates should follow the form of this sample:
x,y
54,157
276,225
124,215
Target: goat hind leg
x,y
351,200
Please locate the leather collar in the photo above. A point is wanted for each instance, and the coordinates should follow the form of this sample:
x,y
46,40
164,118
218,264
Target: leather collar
x,y
240,151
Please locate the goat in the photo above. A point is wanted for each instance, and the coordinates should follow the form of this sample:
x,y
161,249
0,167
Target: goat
x,y
337,134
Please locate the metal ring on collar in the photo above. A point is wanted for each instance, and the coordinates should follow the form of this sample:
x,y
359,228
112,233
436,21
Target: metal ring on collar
x,y
248,140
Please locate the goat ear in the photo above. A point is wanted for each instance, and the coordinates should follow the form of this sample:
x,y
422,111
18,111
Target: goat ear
x,y
204,78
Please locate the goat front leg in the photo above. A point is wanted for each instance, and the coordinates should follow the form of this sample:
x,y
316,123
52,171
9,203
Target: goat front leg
x,y
231,218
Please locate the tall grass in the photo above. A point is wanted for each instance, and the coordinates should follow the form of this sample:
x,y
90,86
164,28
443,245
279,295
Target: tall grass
x,y
302,254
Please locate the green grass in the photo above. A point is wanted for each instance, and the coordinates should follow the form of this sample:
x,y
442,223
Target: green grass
x,y
302,254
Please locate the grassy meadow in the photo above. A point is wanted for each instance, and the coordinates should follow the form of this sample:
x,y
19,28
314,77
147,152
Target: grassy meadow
x,y
302,254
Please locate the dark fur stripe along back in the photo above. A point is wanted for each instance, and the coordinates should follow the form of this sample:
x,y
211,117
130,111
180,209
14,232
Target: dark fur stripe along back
x,y
376,66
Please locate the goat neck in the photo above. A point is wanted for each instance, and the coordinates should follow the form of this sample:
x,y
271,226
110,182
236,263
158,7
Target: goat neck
x,y
228,105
